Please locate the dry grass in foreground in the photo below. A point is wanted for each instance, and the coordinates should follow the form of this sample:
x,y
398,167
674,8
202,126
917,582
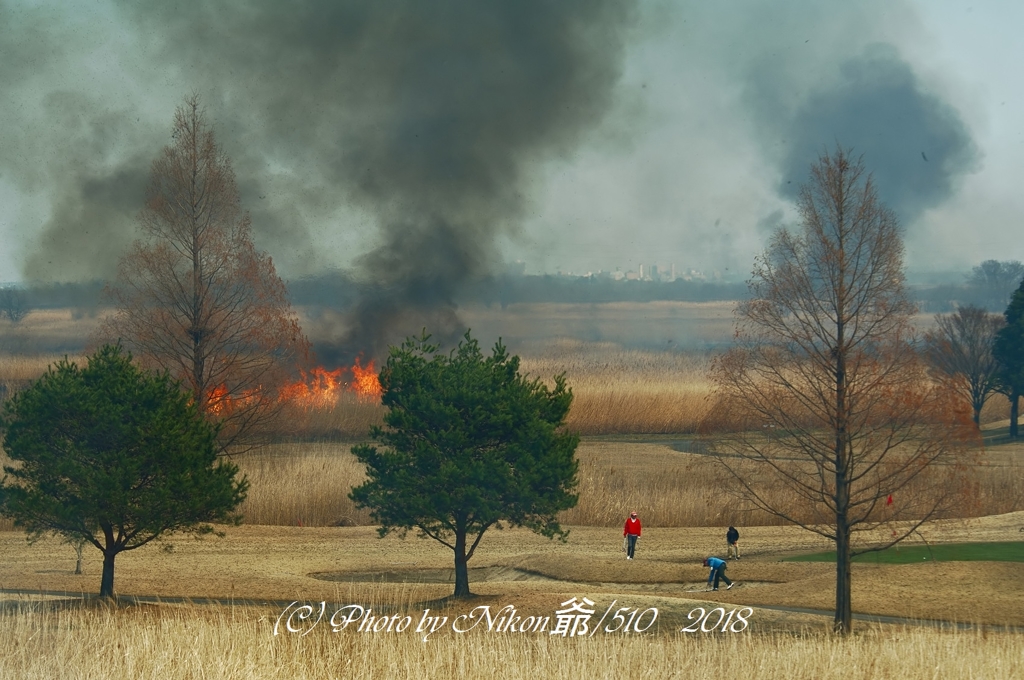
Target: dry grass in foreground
x,y
238,642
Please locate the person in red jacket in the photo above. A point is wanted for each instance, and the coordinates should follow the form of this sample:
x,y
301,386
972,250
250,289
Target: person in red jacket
x,y
631,533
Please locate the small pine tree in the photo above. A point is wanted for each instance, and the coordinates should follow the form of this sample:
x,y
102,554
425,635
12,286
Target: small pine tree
x,y
469,443
115,456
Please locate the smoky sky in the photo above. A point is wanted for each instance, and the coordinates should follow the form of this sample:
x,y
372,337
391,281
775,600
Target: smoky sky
x,y
425,115
915,145
721,111
814,74
410,142
421,118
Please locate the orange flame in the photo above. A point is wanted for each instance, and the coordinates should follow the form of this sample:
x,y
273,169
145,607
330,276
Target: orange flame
x,y
365,382
220,402
321,389
317,389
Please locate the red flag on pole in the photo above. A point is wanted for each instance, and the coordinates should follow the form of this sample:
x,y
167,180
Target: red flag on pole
x,y
888,501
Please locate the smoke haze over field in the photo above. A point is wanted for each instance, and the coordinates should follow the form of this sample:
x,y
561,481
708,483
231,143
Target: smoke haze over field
x,y
420,144
424,116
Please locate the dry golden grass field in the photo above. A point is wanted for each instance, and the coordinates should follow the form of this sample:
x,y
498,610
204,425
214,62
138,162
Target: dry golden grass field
x,y
302,540
251,565
339,563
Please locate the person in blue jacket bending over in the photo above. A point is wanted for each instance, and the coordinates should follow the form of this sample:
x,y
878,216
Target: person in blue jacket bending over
x,y
717,572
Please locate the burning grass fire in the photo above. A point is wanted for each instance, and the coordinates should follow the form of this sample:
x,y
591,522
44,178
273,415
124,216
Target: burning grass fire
x,y
221,403
320,388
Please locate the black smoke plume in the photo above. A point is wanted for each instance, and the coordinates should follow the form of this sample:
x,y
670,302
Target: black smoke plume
x,y
417,119
915,145
424,115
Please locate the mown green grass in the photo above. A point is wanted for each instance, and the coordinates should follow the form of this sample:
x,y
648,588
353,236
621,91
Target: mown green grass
x,y
943,552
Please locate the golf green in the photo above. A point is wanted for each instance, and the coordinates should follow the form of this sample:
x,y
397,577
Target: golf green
x,y
941,552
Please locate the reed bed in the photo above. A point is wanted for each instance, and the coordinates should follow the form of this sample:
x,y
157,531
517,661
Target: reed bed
x,y
1000,481
667,488
302,485
49,331
309,484
996,408
19,370
25,368
350,418
615,390
6,524
238,642
623,391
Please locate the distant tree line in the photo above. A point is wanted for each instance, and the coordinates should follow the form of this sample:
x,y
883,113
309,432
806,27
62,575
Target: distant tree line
x,y
338,290
82,296
988,286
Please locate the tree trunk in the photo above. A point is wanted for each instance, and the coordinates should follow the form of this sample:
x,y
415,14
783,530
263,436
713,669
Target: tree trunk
x,y
461,568
843,622
201,389
842,458
107,582
1014,402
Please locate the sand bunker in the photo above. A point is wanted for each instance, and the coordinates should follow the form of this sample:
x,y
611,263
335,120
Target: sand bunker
x,y
476,575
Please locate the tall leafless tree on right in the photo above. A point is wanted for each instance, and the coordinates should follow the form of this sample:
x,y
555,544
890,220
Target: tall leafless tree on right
x,y
195,297
859,436
960,349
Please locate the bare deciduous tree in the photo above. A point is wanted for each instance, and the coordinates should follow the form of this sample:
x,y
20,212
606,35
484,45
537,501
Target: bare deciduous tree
x,y
824,390
960,349
195,297
13,304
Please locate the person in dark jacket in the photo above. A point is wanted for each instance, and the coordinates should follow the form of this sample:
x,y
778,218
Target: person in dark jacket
x,y
631,532
717,572
732,545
